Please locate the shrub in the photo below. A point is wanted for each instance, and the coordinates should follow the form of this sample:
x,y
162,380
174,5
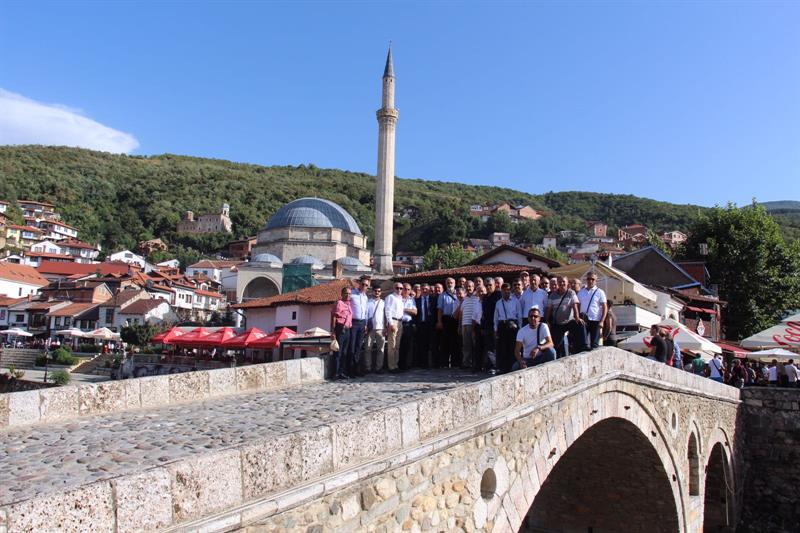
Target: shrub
x,y
60,377
17,374
41,359
90,348
63,357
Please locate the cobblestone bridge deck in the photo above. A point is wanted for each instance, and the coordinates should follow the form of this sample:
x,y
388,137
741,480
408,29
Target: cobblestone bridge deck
x,y
54,457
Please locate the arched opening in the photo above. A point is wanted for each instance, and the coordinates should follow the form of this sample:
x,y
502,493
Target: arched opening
x,y
719,492
260,287
693,456
610,479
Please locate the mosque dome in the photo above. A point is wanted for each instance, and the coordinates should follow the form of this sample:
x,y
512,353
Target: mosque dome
x,y
351,263
307,260
314,213
267,258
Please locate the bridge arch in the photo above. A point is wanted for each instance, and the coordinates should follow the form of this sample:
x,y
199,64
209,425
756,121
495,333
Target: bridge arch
x,y
719,484
615,417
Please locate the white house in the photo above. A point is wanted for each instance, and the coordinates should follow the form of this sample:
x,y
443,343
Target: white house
x,y
84,252
48,247
147,311
20,280
126,256
55,229
214,269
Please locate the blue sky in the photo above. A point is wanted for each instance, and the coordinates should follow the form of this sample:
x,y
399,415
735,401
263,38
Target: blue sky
x,y
688,102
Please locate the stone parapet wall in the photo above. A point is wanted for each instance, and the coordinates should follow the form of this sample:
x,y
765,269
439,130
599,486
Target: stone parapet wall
x,y
72,401
771,455
249,483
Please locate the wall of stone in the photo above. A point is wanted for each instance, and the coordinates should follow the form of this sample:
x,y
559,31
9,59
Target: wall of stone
x,y
771,418
10,384
72,401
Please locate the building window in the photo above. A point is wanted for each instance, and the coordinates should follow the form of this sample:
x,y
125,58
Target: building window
x,y
294,315
109,316
19,319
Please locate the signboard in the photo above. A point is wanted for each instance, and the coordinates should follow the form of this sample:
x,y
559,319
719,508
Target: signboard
x,y
701,328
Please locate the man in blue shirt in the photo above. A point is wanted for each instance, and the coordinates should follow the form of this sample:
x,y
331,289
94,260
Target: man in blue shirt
x,y
447,325
359,300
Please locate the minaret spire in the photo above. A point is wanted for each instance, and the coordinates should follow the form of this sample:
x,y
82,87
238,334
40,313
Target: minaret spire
x,y
384,195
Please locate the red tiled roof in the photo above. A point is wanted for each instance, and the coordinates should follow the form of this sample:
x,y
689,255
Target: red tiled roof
x,y
552,263
73,309
42,306
22,274
20,202
25,228
468,271
6,301
75,243
208,293
326,293
70,269
47,254
140,307
214,263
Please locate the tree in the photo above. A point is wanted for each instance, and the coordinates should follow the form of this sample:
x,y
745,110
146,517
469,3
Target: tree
x,y
138,334
500,222
757,272
654,240
527,232
450,256
555,253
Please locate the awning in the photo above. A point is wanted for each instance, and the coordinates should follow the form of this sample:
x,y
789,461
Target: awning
x,y
786,334
243,340
779,354
196,337
166,337
701,310
737,351
273,340
219,336
686,339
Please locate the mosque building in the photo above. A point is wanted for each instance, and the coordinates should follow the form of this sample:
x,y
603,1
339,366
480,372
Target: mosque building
x,y
320,233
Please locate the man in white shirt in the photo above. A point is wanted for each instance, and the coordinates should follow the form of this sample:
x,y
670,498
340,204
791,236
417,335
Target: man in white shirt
x,y
358,305
409,332
532,297
469,306
772,374
375,338
534,344
506,326
393,311
791,373
593,306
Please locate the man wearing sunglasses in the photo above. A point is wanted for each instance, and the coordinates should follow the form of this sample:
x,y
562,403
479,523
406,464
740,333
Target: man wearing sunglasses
x,y
534,343
394,311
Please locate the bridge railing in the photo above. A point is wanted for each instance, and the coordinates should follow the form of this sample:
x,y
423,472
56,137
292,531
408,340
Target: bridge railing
x,y
72,401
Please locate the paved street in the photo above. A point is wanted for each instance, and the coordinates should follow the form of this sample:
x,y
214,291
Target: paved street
x,y
54,457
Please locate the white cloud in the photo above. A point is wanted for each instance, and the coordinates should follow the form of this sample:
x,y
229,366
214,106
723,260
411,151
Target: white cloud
x,y
26,121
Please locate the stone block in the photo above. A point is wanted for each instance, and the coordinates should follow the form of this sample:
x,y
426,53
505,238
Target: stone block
x,y
393,420
205,484
133,394
557,377
252,377
465,401
143,502
23,407
294,371
154,390
503,392
409,413
316,447
58,403
189,386
358,439
102,397
221,381
276,375
4,410
435,415
484,392
534,383
270,465
88,508
312,368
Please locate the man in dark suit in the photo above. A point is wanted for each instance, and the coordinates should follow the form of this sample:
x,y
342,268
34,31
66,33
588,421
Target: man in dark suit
x,y
426,325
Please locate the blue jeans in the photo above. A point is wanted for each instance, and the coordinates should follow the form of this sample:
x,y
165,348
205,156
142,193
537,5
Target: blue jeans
x,y
343,338
356,340
545,356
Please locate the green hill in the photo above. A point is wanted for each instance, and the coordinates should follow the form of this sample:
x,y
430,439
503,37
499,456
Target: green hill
x,y
118,200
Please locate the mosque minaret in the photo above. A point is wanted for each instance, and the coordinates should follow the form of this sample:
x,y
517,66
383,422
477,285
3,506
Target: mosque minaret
x,y
384,197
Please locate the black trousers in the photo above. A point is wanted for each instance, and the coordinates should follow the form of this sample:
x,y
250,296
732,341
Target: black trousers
x,y
422,346
593,331
407,341
449,355
577,337
505,347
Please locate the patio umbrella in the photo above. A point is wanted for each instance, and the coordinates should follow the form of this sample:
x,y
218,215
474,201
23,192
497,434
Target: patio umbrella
x,y
765,356
166,337
196,337
16,332
243,340
316,332
219,336
104,334
786,334
273,339
686,339
72,332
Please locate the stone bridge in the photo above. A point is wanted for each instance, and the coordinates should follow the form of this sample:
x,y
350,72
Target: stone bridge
x,y
602,441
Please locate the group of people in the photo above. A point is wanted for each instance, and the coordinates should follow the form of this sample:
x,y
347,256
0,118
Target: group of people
x,y
749,373
481,324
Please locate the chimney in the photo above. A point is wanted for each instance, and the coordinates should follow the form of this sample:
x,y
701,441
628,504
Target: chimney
x,y
337,269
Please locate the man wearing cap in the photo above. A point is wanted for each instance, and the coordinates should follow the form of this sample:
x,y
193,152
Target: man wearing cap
x,y
358,303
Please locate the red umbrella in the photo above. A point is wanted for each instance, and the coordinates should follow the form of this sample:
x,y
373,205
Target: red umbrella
x,y
273,339
167,337
196,337
243,340
219,336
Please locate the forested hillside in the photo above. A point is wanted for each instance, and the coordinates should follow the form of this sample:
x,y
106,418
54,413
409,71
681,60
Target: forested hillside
x,y
118,200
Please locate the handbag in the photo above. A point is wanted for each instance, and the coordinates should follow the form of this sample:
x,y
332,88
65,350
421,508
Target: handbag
x,y
585,316
334,345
